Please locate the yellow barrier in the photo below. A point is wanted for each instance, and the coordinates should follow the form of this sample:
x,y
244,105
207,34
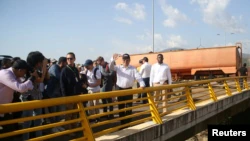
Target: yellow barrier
x,y
182,96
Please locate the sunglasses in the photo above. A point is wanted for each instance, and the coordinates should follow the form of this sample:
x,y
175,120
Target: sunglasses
x,y
70,58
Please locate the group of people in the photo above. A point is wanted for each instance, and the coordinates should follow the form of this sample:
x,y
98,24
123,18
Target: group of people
x,y
156,75
21,79
39,78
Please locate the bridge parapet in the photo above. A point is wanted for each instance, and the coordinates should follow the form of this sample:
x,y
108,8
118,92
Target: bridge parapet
x,y
182,104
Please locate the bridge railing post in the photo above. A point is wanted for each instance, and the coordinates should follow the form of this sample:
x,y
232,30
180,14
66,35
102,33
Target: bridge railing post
x,y
237,84
245,84
227,89
85,123
154,112
190,101
211,92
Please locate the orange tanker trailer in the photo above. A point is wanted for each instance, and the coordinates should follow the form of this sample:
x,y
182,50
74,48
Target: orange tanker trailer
x,y
196,63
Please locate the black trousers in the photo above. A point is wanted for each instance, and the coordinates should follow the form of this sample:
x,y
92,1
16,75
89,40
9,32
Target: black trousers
x,y
8,127
146,81
107,101
107,88
126,105
18,114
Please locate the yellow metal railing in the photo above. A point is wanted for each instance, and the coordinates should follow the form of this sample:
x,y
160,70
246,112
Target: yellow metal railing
x,y
176,96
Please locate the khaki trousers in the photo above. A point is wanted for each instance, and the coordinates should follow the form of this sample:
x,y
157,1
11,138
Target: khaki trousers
x,y
162,98
71,116
93,103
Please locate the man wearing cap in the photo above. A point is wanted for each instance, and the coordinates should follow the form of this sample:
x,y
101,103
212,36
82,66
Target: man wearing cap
x,y
53,61
160,75
145,73
53,89
126,75
54,81
94,80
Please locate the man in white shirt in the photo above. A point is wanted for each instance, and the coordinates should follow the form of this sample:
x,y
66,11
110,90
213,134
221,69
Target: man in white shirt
x,y
94,80
145,73
160,75
126,76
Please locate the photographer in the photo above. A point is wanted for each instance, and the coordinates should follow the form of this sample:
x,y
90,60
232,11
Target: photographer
x,y
38,64
10,82
16,98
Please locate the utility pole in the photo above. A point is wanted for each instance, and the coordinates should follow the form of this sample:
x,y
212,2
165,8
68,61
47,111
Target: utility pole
x,y
225,38
153,25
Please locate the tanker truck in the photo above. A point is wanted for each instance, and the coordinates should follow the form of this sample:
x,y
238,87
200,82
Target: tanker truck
x,y
196,64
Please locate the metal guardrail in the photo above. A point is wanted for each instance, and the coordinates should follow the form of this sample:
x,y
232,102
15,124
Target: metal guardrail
x,y
177,96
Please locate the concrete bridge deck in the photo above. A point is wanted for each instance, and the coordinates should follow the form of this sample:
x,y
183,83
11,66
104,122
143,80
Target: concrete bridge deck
x,y
184,123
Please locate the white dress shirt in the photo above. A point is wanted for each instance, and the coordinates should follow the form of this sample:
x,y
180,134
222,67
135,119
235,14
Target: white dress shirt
x,y
160,73
92,80
145,70
126,76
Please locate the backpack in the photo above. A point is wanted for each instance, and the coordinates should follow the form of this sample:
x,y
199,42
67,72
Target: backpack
x,y
95,75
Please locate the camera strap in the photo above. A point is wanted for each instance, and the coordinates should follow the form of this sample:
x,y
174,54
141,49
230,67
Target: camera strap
x,y
74,73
